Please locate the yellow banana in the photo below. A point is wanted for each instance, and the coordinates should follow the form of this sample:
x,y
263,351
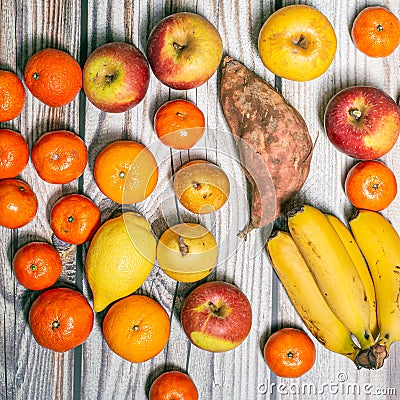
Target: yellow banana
x,y
333,270
306,297
380,244
361,266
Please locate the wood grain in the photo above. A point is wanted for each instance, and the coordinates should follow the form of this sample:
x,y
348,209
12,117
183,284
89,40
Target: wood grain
x,y
329,167
94,371
29,370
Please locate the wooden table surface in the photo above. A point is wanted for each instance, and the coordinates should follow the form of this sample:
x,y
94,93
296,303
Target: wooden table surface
x,y
93,371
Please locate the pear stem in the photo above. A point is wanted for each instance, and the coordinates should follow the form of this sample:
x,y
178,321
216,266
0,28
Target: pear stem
x,y
183,247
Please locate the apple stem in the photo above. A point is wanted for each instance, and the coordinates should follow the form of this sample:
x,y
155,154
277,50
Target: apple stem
x,y
213,308
110,78
301,42
219,311
355,113
178,47
183,247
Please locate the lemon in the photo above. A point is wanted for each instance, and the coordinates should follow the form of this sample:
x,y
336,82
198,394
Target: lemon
x,y
187,252
120,258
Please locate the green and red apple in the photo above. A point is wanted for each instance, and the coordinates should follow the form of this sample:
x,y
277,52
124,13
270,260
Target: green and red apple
x,y
184,50
216,316
116,77
362,122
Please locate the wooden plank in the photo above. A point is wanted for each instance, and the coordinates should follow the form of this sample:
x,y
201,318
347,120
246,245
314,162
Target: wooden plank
x,y
104,374
160,287
328,170
245,266
29,370
33,372
8,61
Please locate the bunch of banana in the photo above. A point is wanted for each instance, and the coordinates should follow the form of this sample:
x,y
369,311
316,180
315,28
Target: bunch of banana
x,y
327,280
380,244
362,269
306,297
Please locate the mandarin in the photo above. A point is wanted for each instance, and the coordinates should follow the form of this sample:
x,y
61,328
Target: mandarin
x,y
53,76
289,352
14,153
74,219
37,265
18,203
61,319
136,328
59,156
179,124
371,185
376,31
12,96
173,385
126,172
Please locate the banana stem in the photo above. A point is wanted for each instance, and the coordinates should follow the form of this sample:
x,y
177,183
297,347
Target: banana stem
x,y
372,358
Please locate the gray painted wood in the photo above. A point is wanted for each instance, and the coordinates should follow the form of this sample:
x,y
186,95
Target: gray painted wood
x,y
31,372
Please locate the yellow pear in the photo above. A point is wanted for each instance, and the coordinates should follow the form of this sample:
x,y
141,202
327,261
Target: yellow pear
x,y
201,186
120,258
187,252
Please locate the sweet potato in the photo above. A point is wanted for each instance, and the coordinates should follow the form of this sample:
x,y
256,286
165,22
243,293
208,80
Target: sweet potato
x,y
274,144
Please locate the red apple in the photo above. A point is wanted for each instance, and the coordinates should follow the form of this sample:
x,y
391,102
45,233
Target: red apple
x,y
173,385
216,316
116,77
362,122
184,50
